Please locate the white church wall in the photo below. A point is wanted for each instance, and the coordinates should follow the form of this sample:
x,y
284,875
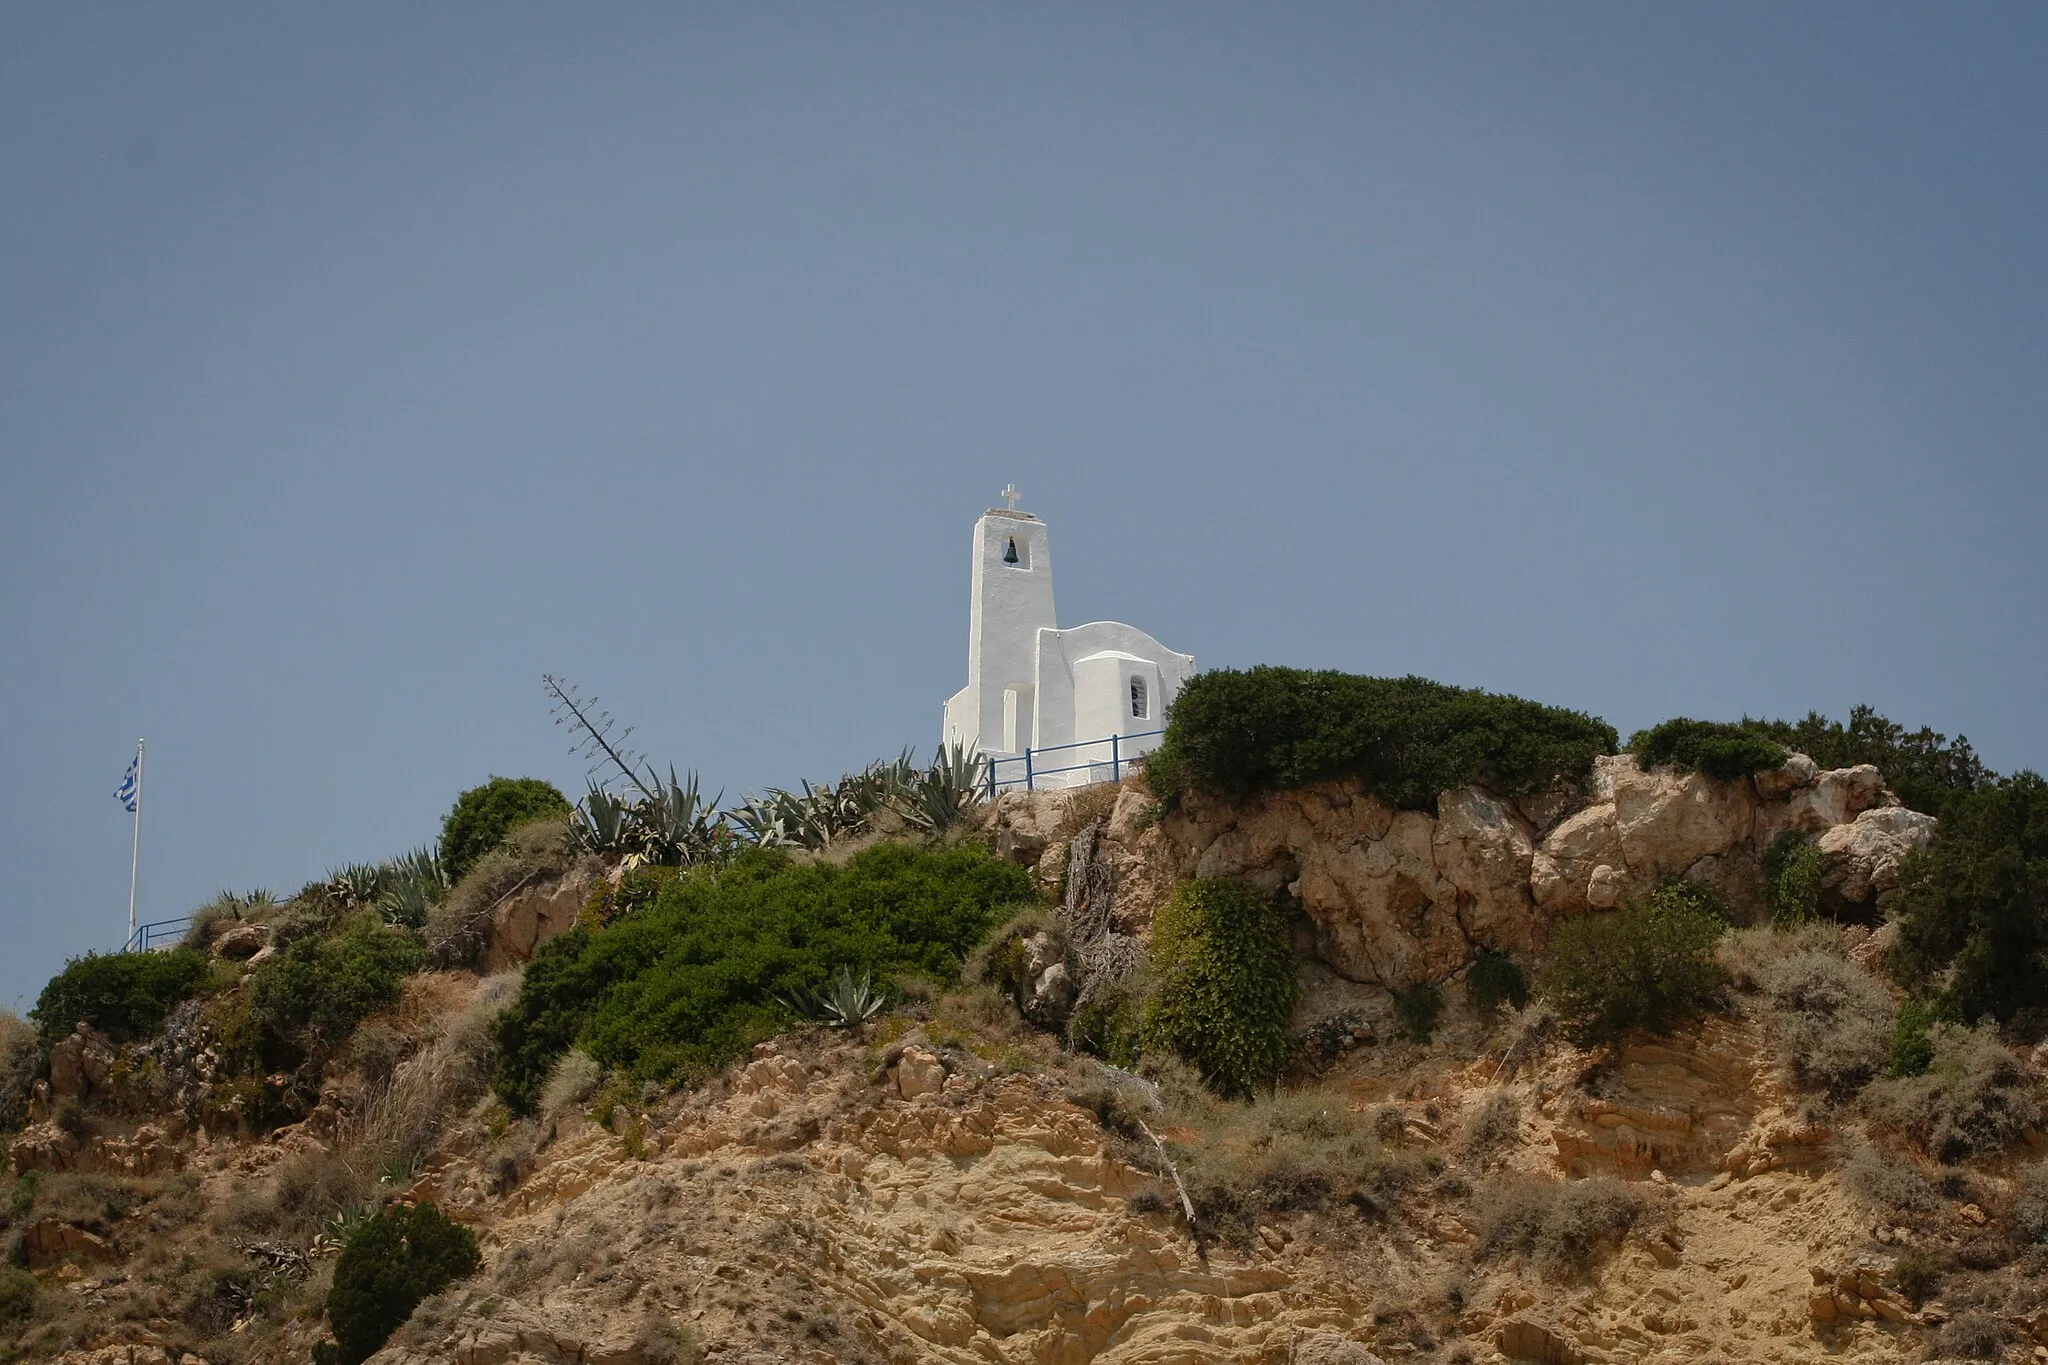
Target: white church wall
x,y
1009,604
1031,684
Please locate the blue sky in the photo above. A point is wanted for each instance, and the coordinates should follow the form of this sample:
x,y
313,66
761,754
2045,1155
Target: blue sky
x,y
360,363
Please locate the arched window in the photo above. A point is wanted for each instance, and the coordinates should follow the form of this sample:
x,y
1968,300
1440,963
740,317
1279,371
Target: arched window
x,y
1138,707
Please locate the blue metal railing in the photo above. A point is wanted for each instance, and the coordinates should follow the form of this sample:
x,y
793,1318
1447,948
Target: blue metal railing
x,y
157,934
1028,768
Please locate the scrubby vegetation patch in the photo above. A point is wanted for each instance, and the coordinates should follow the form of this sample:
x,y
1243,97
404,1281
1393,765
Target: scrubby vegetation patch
x,y
688,983
1225,984
1234,733
1717,748
1647,965
403,1255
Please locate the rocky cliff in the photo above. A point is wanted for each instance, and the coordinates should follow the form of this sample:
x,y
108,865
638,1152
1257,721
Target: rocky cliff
x,y
1399,897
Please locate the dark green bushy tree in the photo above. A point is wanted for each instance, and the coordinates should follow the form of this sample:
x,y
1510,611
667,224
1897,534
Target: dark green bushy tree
x,y
1234,733
483,816
1976,902
393,1261
1225,984
309,999
1647,965
1716,748
686,983
123,995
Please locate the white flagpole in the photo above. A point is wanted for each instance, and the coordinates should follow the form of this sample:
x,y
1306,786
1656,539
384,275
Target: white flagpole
x,y
135,855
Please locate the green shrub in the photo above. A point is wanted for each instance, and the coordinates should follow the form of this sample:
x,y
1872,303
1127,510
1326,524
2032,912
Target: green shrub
x,y
1109,1021
1225,984
1921,766
687,983
483,816
1494,980
17,1295
1418,1007
1976,1098
309,999
1832,1022
20,1054
1561,1226
1645,966
1912,1051
2028,1216
1716,748
1917,1273
1793,866
123,995
392,1262
1233,734
1974,904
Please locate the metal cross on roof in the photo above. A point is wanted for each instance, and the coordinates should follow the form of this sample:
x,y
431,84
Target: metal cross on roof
x,y
1010,496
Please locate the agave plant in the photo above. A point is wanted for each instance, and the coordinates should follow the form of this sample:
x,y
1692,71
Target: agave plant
x,y
846,1003
603,824
414,883
677,827
358,885
951,787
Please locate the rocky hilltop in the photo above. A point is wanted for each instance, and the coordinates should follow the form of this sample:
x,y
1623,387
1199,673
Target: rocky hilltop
x,y
950,1181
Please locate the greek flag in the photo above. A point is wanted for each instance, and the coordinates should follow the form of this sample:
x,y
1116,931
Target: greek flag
x,y
126,795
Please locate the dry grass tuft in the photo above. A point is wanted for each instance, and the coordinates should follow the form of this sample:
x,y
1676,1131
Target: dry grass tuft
x,y
1562,1227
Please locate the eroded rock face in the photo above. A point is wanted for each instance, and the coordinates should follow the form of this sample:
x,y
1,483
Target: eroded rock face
x,y
242,942
1398,897
1863,856
530,917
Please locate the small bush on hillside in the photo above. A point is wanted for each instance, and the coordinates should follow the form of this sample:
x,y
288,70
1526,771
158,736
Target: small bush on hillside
x,y
1562,1227
574,1079
17,1295
1973,1336
483,816
1233,734
123,995
19,1055
2028,1216
1644,966
1974,905
1305,1150
1716,748
1793,867
1917,1273
1418,1007
1832,1022
1109,1018
393,1261
1921,766
1225,984
309,999
1493,1125
1494,980
1912,1050
1977,1097
687,984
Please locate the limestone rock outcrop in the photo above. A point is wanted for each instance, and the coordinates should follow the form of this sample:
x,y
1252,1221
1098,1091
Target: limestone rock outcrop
x,y
1403,896
531,915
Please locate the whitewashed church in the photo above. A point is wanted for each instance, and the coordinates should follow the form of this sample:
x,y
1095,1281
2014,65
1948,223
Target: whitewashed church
x,y
1032,685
